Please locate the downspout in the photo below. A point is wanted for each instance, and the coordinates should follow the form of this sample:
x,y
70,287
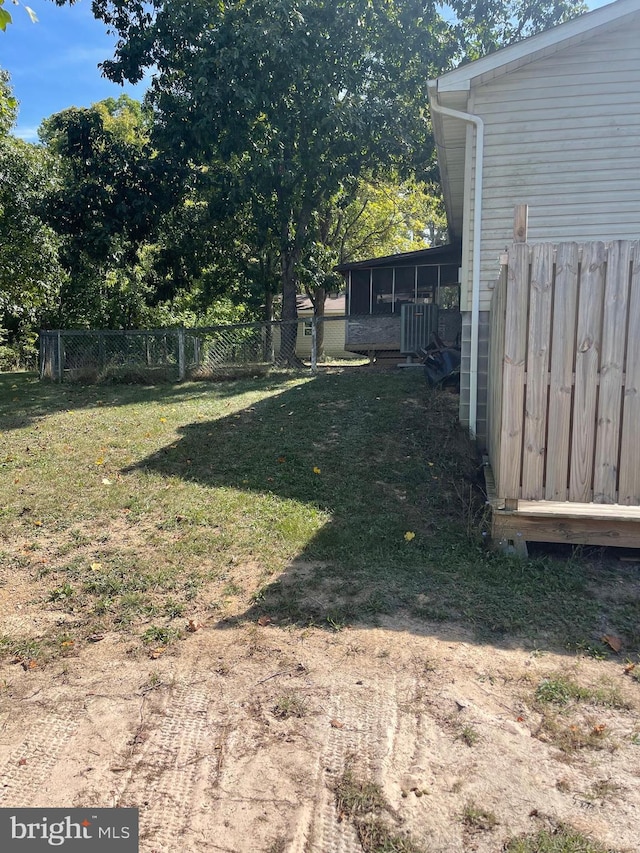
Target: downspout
x,y
477,122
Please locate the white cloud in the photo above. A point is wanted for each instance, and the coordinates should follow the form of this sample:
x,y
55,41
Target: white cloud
x,y
29,134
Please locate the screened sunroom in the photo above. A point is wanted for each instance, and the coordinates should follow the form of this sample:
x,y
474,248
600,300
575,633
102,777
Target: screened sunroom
x,y
395,302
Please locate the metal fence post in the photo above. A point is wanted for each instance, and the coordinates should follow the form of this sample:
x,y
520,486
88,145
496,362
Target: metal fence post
x,y
102,351
314,345
59,356
181,364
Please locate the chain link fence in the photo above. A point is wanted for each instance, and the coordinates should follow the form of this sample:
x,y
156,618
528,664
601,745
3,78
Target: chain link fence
x,y
177,354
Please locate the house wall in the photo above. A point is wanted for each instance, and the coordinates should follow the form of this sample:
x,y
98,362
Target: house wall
x,y
561,135
334,338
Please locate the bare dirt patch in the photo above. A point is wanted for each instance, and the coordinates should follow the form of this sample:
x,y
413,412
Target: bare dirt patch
x,y
236,738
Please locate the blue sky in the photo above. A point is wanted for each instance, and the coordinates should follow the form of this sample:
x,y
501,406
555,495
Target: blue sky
x,y
54,63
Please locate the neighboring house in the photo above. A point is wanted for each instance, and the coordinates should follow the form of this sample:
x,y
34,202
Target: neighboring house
x,y
552,122
334,327
378,288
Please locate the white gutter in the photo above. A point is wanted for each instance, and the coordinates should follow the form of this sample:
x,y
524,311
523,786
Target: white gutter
x,y
477,122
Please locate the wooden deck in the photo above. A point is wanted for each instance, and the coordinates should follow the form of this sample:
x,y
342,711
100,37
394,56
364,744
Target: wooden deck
x,y
569,522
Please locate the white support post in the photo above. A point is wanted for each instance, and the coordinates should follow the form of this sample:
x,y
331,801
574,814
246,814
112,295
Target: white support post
x,y
314,345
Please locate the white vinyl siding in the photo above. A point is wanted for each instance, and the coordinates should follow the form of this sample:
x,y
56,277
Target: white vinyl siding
x,y
334,336
562,134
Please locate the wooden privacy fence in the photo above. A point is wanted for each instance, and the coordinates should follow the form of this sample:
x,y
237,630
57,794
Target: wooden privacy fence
x,y
564,374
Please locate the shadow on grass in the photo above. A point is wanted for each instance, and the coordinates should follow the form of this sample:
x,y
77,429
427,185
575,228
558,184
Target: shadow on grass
x,y
387,462
24,398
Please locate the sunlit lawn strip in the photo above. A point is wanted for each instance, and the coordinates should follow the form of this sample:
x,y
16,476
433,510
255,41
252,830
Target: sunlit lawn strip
x,y
308,500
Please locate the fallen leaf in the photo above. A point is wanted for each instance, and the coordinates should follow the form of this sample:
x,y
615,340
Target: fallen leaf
x,y
193,625
629,668
66,644
336,724
154,654
22,762
96,566
29,664
598,730
282,459
106,482
264,620
614,642
317,470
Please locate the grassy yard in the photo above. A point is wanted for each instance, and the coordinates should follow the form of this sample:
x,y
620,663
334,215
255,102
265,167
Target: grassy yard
x,y
294,500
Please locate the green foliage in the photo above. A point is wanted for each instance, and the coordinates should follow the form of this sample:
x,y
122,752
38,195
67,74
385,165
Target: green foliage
x,y
30,274
560,690
6,19
387,217
285,101
279,137
8,104
482,27
111,193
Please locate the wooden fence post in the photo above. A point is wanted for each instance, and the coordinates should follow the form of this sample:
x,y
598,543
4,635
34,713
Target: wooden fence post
x,y
520,223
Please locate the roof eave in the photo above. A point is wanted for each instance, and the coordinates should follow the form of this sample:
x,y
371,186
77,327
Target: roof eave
x,y
452,199
535,47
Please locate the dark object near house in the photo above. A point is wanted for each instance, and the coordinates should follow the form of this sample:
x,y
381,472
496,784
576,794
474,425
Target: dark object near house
x,y
441,364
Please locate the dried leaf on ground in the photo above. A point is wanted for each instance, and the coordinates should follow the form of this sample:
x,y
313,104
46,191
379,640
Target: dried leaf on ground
x,y
613,642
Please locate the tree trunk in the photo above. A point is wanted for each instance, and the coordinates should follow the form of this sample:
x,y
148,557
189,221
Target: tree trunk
x,y
289,329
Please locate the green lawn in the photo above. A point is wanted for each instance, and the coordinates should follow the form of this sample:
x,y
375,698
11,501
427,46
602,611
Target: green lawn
x,y
305,500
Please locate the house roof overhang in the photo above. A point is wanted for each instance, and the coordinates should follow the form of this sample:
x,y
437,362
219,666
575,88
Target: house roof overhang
x,y
452,90
449,254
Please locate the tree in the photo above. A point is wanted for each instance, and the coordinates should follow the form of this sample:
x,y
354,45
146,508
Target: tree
x,y
292,98
483,26
8,104
287,101
30,275
111,194
364,219
287,98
